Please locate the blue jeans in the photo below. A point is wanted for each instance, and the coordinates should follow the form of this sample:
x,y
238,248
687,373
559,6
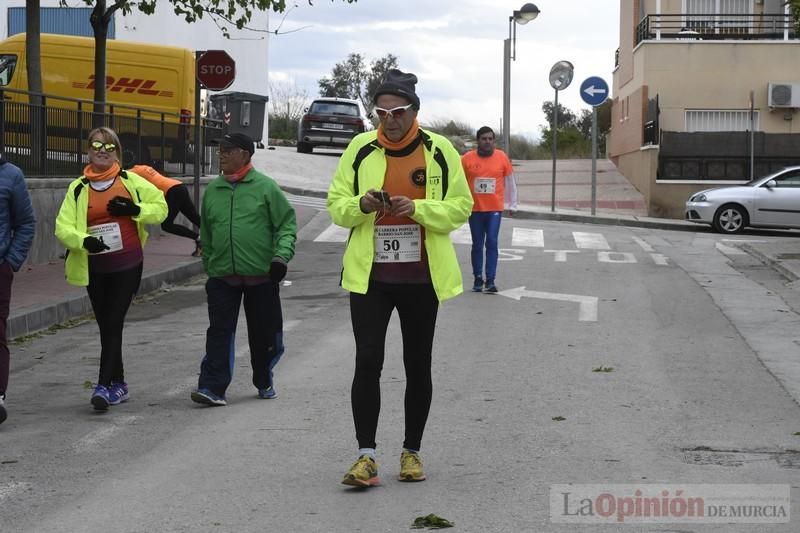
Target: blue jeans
x,y
261,308
485,229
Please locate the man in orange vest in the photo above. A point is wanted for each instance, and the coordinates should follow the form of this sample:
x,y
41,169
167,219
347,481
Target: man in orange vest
x,y
491,181
179,202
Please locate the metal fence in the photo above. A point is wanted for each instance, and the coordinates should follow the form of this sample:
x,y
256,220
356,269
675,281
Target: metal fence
x,y
50,139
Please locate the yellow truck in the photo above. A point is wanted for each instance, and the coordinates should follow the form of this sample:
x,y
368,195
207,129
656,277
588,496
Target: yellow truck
x,y
150,90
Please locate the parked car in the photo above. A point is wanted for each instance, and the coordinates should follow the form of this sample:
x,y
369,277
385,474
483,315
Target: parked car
x,y
331,122
772,201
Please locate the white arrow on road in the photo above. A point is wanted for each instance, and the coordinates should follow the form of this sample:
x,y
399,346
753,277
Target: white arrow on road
x,y
587,310
591,91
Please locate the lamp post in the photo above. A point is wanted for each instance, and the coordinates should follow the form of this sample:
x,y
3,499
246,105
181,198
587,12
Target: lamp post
x,y
525,14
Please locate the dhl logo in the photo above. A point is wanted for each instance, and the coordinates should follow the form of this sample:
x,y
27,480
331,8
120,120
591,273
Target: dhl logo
x,y
126,85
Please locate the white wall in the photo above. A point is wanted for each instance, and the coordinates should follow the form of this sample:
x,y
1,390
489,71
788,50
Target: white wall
x,y
249,48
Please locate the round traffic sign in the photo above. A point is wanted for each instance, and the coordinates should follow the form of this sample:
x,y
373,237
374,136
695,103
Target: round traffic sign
x,y
216,70
594,90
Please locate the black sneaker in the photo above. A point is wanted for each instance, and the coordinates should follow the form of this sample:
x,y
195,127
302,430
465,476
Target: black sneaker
x,y
477,286
3,414
490,286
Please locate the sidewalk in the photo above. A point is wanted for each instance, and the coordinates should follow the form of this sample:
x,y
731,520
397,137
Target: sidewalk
x,y
41,297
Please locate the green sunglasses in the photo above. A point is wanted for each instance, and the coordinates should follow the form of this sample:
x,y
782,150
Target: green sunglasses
x,y
109,147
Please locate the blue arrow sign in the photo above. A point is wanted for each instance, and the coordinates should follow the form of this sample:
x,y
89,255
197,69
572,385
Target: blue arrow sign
x,y
594,91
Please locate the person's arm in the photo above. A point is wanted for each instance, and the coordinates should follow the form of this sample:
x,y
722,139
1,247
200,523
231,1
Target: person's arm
x,y
66,221
152,205
23,224
343,204
511,193
284,222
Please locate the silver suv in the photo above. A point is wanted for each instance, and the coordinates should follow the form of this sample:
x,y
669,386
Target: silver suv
x,y
331,122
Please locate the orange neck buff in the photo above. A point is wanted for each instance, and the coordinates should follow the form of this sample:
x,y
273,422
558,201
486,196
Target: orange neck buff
x,y
410,135
93,175
239,174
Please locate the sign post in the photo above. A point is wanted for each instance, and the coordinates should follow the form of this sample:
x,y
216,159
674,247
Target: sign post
x,y
560,77
594,91
215,70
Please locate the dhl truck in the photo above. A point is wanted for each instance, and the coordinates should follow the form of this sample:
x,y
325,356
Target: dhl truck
x,y
149,92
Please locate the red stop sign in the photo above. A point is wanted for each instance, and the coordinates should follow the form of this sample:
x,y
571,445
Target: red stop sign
x,y
216,70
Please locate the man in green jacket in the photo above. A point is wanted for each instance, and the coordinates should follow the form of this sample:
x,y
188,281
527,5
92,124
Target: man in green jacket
x,y
248,233
400,190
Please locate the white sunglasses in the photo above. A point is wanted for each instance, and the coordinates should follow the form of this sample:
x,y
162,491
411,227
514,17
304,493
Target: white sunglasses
x,y
395,112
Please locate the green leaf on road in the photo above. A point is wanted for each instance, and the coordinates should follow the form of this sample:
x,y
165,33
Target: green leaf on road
x,y
558,418
88,384
431,522
796,433
603,369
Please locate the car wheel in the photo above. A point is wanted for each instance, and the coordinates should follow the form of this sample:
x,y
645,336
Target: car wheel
x,y
730,218
304,148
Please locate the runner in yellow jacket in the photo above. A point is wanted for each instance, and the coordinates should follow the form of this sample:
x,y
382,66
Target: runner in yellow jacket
x,y
400,190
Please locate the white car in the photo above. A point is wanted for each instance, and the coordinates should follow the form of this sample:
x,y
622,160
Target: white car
x,y
772,201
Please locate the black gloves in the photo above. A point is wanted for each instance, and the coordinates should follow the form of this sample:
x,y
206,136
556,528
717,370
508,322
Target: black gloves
x,y
119,206
94,245
277,271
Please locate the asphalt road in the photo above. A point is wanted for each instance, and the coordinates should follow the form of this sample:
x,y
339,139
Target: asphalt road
x,y
690,330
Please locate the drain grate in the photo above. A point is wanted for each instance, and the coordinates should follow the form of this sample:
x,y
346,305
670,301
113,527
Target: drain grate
x,y
703,455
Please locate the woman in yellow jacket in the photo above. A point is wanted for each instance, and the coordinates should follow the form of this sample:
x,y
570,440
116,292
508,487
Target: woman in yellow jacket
x,y
102,224
400,190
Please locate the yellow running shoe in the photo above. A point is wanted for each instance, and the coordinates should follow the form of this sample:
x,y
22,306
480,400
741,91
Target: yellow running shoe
x,y
363,473
410,467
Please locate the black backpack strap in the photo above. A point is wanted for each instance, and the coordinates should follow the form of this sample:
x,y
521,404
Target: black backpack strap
x,y
360,156
78,188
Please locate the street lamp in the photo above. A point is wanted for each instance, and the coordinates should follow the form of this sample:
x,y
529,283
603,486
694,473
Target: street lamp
x,y
527,13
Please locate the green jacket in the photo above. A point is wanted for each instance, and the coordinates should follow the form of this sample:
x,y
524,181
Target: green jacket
x,y
71,220
244,227
446,207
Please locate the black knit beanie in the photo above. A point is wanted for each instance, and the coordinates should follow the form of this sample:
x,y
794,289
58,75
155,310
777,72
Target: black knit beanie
x,y
399,83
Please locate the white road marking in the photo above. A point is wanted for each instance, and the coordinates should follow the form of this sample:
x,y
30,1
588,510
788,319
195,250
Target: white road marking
x,y
561,255
333,233
729,250
462,235
615,257
97,437
591,241
660,259
587,305
527,237
308,201
641,242
510,254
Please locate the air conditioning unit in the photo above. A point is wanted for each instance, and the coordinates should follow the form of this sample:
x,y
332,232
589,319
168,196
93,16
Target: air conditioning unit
x,y
783,94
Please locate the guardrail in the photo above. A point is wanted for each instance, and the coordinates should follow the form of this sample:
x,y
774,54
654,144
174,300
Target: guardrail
x,y
49,139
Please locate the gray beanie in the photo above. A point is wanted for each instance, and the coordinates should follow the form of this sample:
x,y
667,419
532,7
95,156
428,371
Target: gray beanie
x,y
398,83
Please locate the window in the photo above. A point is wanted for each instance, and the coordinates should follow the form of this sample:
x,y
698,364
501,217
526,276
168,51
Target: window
x,y
718,16
7,65
721,120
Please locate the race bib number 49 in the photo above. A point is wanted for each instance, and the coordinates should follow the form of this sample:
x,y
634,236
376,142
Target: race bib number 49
x,y
109,234
398,243
485,185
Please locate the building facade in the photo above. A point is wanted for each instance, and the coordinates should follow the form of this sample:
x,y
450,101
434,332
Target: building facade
x,y
706,92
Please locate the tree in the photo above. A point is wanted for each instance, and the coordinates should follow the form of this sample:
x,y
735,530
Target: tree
x,y
287,103
794,7
352,79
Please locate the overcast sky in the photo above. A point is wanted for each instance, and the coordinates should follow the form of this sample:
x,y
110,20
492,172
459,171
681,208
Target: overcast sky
x,y
455,47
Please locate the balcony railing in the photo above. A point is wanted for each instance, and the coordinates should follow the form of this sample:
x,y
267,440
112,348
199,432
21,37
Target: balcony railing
x,y
776,26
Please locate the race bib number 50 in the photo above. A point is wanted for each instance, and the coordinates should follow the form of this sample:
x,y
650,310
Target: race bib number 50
x,y
398,243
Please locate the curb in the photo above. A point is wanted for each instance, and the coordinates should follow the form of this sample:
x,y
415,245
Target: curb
x,y
769,261
47,315
572,216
